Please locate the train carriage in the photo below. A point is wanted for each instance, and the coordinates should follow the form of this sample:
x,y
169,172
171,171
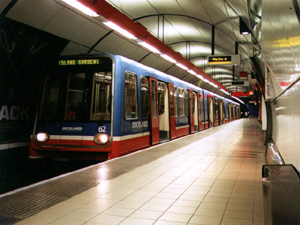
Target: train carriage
x,y
104,106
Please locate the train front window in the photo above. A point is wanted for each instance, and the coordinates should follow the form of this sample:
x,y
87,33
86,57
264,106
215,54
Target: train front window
x,y
66,97
78,90
51,101
75,96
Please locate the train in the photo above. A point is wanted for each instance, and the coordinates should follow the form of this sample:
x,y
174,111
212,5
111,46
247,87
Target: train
x,y
100,107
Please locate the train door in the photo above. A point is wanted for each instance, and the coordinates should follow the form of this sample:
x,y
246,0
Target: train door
x,y
200,114
226,117
172,111
196,120
222,112
191,111
232,112
163,111
229,111
205,111
217,112
154,116
235,117
210,111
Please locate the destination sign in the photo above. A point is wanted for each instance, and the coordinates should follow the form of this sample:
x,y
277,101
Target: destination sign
x,y
78,62
219,59
224,60
240,83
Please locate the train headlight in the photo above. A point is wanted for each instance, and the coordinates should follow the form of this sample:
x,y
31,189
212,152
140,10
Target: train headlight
x,y
42,137
101,138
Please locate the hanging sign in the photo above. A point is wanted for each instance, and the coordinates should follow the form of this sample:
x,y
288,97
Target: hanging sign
x,y
223,59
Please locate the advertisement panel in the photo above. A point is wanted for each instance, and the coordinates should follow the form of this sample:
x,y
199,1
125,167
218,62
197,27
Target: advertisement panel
x,y
24,55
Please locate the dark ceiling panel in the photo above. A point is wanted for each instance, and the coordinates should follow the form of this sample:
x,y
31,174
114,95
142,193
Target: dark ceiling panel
x,y
34,13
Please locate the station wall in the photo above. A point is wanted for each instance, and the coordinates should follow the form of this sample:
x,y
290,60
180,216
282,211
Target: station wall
x,y
286,125
24,54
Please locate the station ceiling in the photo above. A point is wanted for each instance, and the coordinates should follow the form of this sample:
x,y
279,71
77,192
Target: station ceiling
x,y
192,29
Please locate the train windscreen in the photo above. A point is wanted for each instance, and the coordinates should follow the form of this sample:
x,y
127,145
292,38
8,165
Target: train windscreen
x,y
78,91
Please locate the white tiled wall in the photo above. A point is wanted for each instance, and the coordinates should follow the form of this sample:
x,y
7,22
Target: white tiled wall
x,y
286,125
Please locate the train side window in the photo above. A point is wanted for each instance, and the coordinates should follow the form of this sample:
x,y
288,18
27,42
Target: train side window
x,y
172,108
201,108
193,102
205,108
175,101
154,99
187,103
145,98
216,108
101,96
131,107
181,102
161,98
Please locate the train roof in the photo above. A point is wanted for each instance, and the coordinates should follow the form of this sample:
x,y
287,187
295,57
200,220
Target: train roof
x,y
153,72
169,78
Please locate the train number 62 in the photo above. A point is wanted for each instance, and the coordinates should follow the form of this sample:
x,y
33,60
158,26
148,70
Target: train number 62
x,y
102,129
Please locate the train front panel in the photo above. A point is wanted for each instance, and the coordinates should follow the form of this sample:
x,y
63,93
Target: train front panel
x,y
74,115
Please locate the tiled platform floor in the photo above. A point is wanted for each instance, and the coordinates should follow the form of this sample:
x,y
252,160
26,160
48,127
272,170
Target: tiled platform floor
x,y
212,177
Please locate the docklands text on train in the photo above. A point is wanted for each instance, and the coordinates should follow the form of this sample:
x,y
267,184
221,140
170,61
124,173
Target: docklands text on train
x,y
139,124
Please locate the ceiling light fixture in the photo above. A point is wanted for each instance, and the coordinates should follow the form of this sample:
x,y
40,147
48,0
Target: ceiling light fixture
x,y
192,72
224,91
182,66
120,30
243,27
81,7
199,76
168,58
149,47
238,99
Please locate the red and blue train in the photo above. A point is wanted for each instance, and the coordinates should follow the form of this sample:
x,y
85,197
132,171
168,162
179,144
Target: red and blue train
x,y
103,106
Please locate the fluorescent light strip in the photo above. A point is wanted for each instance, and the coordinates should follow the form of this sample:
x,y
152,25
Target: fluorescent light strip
x,y
182,66
168,58
192,72
81,7
224,91
238,99
149,47
200,77
119,30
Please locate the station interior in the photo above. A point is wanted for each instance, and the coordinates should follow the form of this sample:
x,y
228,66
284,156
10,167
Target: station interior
x,y
242,171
